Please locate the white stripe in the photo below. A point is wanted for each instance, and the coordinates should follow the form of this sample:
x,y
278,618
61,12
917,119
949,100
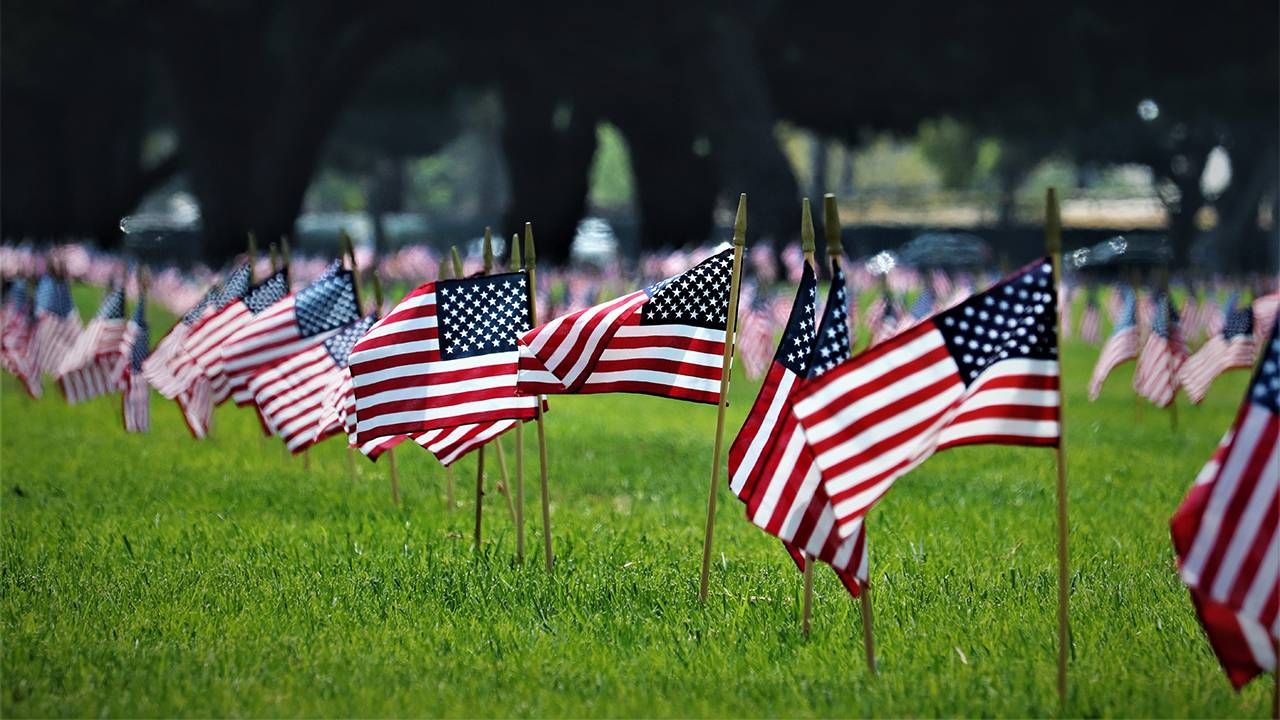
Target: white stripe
x,y
662,353
1044,429
1264,583
658,379
430,414
751,457
666,331
389,351
1245,532
1247,436
777,482
569,343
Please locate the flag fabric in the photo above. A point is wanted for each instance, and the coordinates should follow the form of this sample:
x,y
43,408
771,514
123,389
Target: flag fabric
x,y
203,383
57,324
1226,532
291,395
85,372
16,347
886,323
1121,346
922,307
160,367
444,356
1091,319
666,340
1264,314
135,345
1233,348
292,325
771,467
755,338
1161,359
983,372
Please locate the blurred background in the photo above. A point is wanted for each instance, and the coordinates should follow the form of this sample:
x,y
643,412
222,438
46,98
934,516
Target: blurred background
x,y
624,128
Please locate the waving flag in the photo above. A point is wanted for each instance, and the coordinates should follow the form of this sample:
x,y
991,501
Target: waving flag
x,y
1264,313
1233,348
666,340
1226,533
134,347
985,371
1091,318
290,395
296,323
882,319
444,356
755,339
1156,377
85,372
771,467
162,366
57,324
16,348
1121,347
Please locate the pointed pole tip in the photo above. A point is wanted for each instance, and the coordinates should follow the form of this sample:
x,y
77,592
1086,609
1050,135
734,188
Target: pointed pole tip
x,y
740,222
831,225
807,243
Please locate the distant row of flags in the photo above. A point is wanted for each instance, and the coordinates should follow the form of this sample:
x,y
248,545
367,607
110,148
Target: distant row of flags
x,y
459,361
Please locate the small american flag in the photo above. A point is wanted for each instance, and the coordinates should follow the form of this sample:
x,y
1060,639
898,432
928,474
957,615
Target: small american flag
x,y
984,372
1264,313
134,348
666,340
86,369
1233,348
290,395
1225,532
883,320
285,328
1091,318
57,324
162,366
16,350
755,338
1161,359
1121,347
444,356
771,467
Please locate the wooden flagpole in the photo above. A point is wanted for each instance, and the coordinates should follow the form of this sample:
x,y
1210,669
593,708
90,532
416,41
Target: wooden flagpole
x,y
517,263
835,250
1173,377
1053,245
726,363
531,263
446,273
810,249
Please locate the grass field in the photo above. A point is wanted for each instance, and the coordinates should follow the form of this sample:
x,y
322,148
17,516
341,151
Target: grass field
x,y
157,576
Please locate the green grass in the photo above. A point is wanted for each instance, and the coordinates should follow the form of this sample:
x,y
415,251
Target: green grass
x,y
157,576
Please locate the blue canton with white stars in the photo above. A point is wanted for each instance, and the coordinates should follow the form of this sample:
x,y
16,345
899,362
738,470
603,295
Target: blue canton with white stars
x,y
832,346
327,304
53,296
923,306
17,297
1166,318
1016,318
234,288
1265,389
112,307
194,313
268,292
339,346
699,296
1239,322
797,338
142,340
482,315
1129,313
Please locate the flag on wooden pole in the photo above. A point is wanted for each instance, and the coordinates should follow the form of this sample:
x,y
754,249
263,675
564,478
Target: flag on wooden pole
x,y
134,348
16,349
85,372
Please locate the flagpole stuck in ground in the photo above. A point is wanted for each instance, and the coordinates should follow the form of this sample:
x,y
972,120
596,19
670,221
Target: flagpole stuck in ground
x,y
835,251
809,246
459,270
530,259
1053,246
739,241
517,263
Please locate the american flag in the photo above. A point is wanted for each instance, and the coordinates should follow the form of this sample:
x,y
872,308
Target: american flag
x,y
921,308
1091,318
1121,347
212,323
755,338
134,348
237,304
291,395
444,356
160,368
451,444
666,340
86,369
283,329
1233,348
57,324
1226,533
341,405
16,348
1264,313
985,371
771,468
1156,377
940,282
882,319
